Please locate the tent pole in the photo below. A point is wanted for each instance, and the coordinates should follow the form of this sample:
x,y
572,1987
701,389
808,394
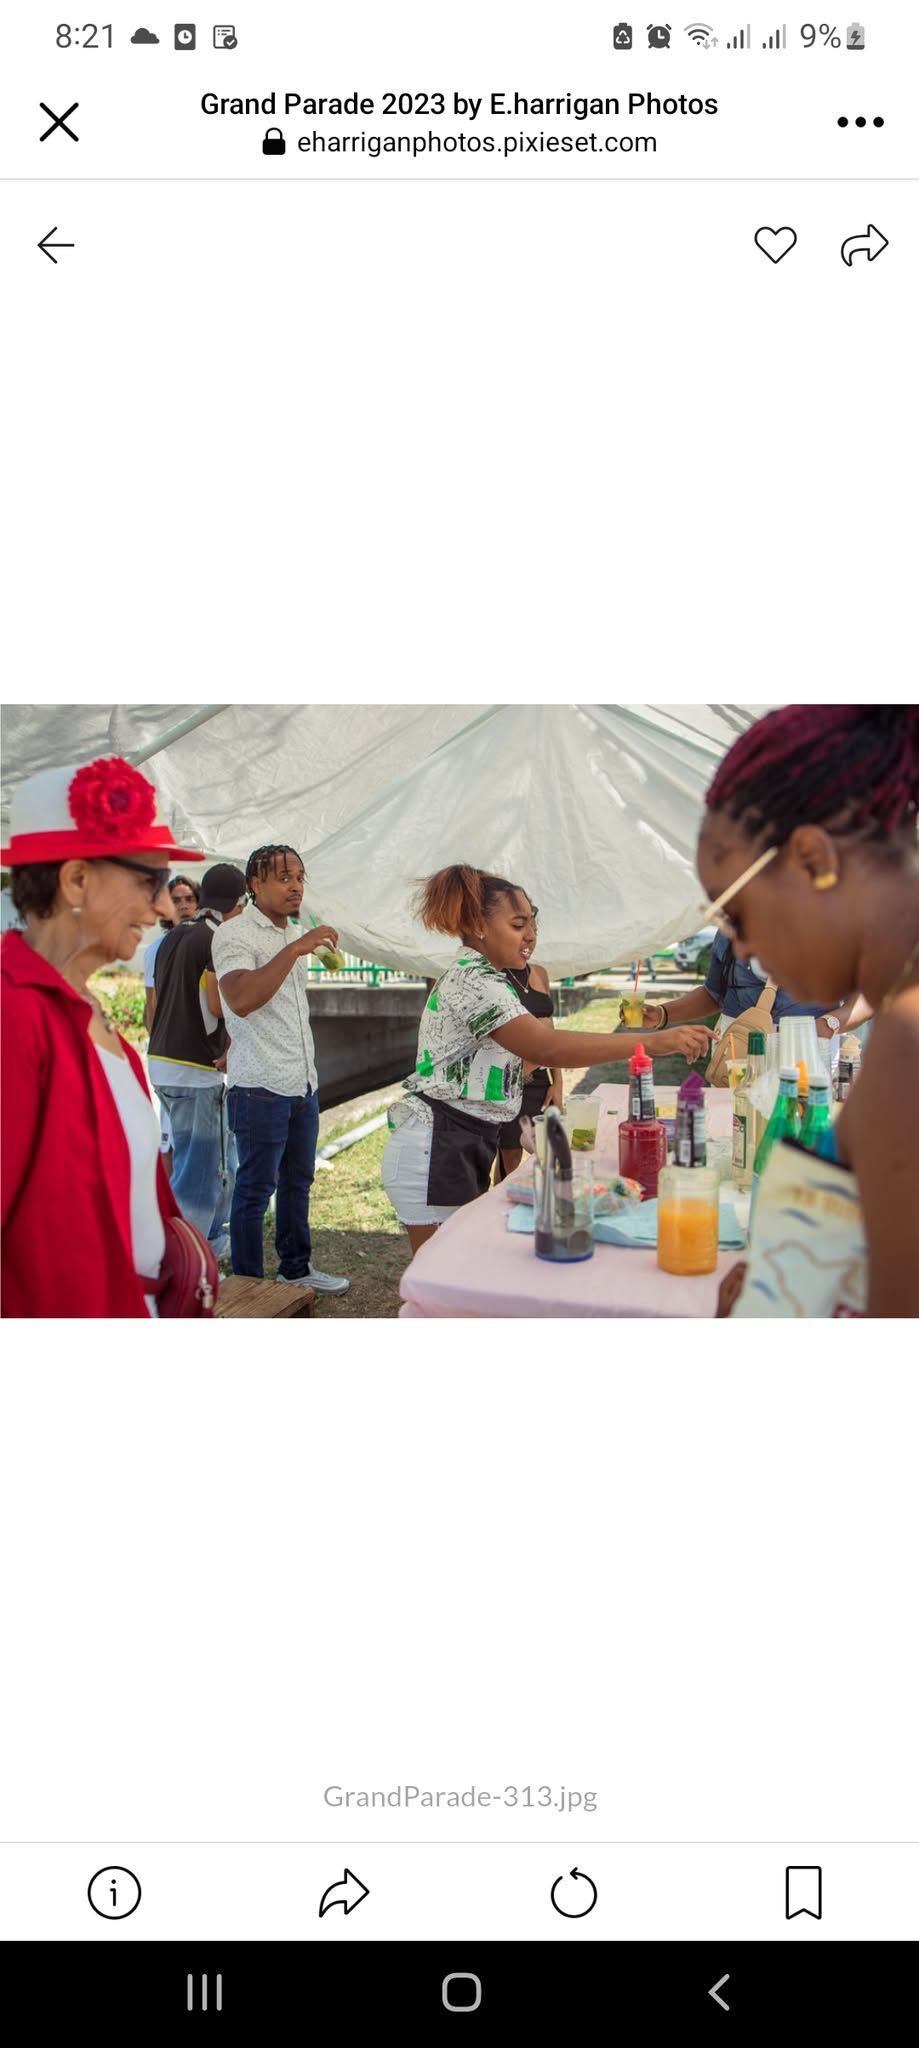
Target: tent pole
x,y
176,732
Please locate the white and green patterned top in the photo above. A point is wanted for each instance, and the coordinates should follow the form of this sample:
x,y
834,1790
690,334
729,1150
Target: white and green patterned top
x,y
458,1060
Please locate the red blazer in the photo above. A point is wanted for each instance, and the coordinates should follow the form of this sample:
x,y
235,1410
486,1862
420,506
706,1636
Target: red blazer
x,y
65,1168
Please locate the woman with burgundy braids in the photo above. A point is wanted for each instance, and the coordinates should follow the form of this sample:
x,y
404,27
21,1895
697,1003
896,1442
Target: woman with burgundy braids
x,y
810,835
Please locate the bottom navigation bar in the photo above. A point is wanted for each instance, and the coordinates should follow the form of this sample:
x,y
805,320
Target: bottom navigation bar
x,y
511,1984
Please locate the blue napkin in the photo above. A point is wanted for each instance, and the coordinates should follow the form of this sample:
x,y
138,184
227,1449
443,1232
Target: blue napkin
x,y
635,1227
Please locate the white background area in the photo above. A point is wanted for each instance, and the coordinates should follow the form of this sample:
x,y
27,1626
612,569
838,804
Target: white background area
x,y
279,440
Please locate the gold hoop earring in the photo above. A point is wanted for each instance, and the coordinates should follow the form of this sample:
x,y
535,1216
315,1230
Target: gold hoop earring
x,y
827,881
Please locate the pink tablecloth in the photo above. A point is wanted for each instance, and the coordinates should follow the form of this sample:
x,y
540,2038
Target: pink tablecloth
x,y
473,1266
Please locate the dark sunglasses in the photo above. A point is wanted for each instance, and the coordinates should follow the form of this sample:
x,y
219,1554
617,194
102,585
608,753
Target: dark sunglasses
x,y
157,878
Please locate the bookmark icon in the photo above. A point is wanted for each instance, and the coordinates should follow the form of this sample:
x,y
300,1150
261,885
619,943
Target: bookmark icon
x,y
804,1890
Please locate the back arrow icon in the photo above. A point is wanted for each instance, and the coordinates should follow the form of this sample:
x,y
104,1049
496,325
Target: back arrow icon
x,y
872,242
348,1892
713,1993
47,244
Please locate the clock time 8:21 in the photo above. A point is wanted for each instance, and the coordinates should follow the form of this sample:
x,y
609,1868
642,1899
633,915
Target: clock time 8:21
x,y
84,38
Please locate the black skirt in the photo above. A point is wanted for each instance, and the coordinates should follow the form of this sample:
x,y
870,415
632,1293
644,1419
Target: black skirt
x,y
535,1091
463,1151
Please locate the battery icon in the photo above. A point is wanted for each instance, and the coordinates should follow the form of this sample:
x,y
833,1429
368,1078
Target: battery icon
x,y
855,36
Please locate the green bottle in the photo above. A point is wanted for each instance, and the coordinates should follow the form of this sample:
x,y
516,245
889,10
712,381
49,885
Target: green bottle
x,y
784,1122
817,1117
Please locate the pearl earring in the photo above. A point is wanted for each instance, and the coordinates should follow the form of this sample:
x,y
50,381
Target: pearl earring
x,y
827,881
75,910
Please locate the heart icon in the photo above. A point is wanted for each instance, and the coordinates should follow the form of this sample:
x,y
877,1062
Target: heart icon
x,y
775,242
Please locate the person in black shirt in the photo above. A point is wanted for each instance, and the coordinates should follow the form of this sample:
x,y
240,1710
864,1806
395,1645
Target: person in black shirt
x,y
187,1058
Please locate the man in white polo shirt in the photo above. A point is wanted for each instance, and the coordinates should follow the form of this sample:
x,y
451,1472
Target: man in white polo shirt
x,y
271,1067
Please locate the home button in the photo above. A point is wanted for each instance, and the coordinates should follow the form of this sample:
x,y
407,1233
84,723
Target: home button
x,y
462,1991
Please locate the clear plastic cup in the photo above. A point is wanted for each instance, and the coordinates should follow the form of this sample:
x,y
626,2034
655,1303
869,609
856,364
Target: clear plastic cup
x,y
798,1041
633,1012
719,1156
582,1113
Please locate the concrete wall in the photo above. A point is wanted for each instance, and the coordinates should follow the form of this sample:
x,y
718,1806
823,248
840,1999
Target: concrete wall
x,y
365,1037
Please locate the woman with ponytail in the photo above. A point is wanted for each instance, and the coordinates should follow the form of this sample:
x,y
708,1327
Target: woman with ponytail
x,y
476,1034
810,837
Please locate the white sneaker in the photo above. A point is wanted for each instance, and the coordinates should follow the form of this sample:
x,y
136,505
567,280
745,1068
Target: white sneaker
x,y
324,1283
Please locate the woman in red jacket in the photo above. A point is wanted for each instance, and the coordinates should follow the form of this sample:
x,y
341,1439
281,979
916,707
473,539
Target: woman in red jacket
x,y
84,1194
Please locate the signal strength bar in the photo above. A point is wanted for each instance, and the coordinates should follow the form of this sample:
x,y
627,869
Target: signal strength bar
x,y
776,42
742,41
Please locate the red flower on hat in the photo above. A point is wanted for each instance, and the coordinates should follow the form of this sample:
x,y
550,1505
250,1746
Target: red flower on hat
x,y
110,799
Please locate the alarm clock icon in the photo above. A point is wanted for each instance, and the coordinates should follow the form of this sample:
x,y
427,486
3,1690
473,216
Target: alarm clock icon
x,y
185,35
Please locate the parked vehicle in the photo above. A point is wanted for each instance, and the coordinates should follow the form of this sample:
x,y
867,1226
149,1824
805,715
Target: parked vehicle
x,y
694,955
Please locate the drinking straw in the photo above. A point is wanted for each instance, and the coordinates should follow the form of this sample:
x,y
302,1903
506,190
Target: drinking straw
x,y
637,977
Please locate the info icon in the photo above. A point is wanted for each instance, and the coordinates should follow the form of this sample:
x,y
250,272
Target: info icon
x,y
622,36
185,35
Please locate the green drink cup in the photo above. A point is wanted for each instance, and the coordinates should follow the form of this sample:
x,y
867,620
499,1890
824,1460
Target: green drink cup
x,y
581,1117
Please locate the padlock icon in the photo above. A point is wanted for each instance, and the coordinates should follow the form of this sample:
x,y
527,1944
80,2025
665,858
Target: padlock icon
x,y
273,143
622,36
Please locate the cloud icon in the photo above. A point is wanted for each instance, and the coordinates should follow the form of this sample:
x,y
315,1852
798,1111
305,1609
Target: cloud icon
x,y
144,35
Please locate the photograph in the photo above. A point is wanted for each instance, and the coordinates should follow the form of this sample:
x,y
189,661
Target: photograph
x,y
460,1011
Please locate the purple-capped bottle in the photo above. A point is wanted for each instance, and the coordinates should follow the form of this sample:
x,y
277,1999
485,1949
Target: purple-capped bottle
x,y
689,1143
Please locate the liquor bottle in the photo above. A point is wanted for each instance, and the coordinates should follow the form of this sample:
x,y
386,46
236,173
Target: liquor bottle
x,y
749,1123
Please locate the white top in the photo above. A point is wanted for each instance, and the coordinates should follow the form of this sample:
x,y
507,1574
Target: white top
x,y
458,1059
272,1047
150,953
142,1130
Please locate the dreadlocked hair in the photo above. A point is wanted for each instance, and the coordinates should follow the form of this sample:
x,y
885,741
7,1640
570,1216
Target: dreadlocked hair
x,y
260,864
855,766
456,899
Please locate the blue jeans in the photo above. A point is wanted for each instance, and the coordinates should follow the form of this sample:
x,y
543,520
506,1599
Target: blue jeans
x,y
276,1140
204,1157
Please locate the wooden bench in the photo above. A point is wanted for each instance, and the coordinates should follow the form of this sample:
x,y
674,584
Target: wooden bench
x,y
239,1295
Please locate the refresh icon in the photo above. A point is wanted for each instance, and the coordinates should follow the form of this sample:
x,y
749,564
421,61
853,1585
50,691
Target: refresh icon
x,y
574,1894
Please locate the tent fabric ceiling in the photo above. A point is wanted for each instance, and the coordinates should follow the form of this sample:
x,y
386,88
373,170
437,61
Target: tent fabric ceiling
x,y
594,809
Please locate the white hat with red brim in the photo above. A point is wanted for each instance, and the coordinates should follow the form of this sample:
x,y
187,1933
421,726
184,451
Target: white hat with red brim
x,y
88,813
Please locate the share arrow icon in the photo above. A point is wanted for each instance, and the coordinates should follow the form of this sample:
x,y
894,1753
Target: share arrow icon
x,y
47,244
348,1892
873,242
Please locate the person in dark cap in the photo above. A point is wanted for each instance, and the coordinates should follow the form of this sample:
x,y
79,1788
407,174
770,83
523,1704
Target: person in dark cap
x,y
187,1058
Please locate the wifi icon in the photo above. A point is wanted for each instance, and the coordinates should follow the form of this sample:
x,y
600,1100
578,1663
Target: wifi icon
x,y
700,34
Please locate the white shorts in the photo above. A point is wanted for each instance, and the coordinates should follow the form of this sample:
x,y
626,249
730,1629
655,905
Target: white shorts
x,y
404,1168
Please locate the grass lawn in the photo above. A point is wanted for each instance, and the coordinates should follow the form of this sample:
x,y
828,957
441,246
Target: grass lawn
x,y
669,1071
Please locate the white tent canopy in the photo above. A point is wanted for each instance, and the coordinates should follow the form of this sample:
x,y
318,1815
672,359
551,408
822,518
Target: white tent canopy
x,y
593,809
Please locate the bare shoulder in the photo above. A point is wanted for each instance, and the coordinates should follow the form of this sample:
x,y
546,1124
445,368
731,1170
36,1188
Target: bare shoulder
x,y
889,1080
539,976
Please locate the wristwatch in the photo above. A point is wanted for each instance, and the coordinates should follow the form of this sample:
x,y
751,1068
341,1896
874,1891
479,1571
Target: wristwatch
x,y
833,1023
